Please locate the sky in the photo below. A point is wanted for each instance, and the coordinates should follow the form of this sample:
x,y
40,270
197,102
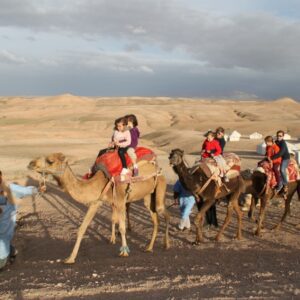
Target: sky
x,y
193,48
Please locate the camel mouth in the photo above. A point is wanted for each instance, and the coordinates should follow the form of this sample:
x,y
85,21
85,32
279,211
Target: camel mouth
x,y
32,167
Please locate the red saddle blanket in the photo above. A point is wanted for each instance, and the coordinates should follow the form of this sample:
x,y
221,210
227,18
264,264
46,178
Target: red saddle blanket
x,y
292,172
110,162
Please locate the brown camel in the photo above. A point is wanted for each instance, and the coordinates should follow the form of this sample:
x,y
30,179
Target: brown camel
x,y
99,189
265,194
196,181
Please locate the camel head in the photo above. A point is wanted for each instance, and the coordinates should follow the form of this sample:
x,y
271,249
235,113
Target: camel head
x,y
176,157
52,164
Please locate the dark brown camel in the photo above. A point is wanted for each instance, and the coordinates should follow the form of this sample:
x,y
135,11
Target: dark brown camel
x,y
195,182
260,191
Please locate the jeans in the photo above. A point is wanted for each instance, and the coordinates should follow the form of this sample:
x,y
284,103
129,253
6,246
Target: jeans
x,y
186,205
283,167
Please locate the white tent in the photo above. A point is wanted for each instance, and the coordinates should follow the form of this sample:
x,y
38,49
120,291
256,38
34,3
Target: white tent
x,y
291,147
287,137
261,148
297,156
255,136
234,136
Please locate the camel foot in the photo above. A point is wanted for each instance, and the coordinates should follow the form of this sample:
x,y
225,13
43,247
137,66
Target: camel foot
x,y
257,233
167,246
218,237
124,251
148,249
196,242
69,261
276,227
112,240
238,237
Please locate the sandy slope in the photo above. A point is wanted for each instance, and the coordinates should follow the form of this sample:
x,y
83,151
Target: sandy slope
x,y
79,127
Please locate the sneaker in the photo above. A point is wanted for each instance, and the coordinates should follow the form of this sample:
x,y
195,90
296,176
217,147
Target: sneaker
x,y
135,172
124,171
13,252
181,225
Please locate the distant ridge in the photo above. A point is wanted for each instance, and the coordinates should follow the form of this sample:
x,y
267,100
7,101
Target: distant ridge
x,y
286,100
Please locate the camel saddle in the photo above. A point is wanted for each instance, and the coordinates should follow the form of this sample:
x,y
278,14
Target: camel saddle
x,y
266,168
209,166
110,162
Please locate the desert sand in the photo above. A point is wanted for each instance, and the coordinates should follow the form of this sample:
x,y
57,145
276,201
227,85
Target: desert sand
x,y
266,267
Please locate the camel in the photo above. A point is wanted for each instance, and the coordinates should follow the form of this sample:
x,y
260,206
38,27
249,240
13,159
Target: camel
x,y
265,194
99,189
202,186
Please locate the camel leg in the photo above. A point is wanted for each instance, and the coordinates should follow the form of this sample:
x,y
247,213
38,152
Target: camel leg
x,y
113,226
160,193
239,215
127,214
167,220
82,229
261,216
252,209
287,208
124,250
155,220
113,233
227,220
199,219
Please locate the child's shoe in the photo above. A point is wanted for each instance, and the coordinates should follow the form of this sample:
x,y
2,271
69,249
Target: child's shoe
x,y
135,172
124,173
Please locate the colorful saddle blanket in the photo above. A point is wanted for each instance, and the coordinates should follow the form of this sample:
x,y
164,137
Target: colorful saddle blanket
x,y
110,162
292,172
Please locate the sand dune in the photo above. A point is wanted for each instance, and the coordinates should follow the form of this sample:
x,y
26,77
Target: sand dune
x,y
79,127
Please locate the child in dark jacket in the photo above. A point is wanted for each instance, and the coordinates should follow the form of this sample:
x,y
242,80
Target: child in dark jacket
x,y
285,156
132,124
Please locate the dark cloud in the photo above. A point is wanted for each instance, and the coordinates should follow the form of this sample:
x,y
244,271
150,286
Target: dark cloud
x,y
258,41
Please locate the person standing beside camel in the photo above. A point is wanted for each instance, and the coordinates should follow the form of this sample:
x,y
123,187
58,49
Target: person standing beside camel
x,y
186,201
10,195
285,159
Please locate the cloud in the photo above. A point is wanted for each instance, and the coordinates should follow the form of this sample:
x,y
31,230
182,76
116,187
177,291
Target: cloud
x,y
10,58
256,41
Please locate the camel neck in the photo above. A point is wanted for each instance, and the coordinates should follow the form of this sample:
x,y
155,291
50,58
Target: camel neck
x,y
80,190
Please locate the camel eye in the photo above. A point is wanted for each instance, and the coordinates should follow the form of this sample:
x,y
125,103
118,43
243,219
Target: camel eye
x,y
50,162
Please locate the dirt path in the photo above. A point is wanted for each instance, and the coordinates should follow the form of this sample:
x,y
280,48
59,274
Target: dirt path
x,y
265,267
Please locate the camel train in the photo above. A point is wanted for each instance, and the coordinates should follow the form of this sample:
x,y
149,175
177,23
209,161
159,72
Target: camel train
x,y
151,185
124,173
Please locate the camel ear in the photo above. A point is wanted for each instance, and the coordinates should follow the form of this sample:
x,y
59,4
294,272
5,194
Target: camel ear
x,y
60,156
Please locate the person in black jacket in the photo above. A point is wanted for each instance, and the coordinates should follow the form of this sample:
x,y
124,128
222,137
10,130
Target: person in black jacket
x,y
220,137
285,155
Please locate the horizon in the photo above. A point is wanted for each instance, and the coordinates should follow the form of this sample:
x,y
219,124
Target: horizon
x,y
136,97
